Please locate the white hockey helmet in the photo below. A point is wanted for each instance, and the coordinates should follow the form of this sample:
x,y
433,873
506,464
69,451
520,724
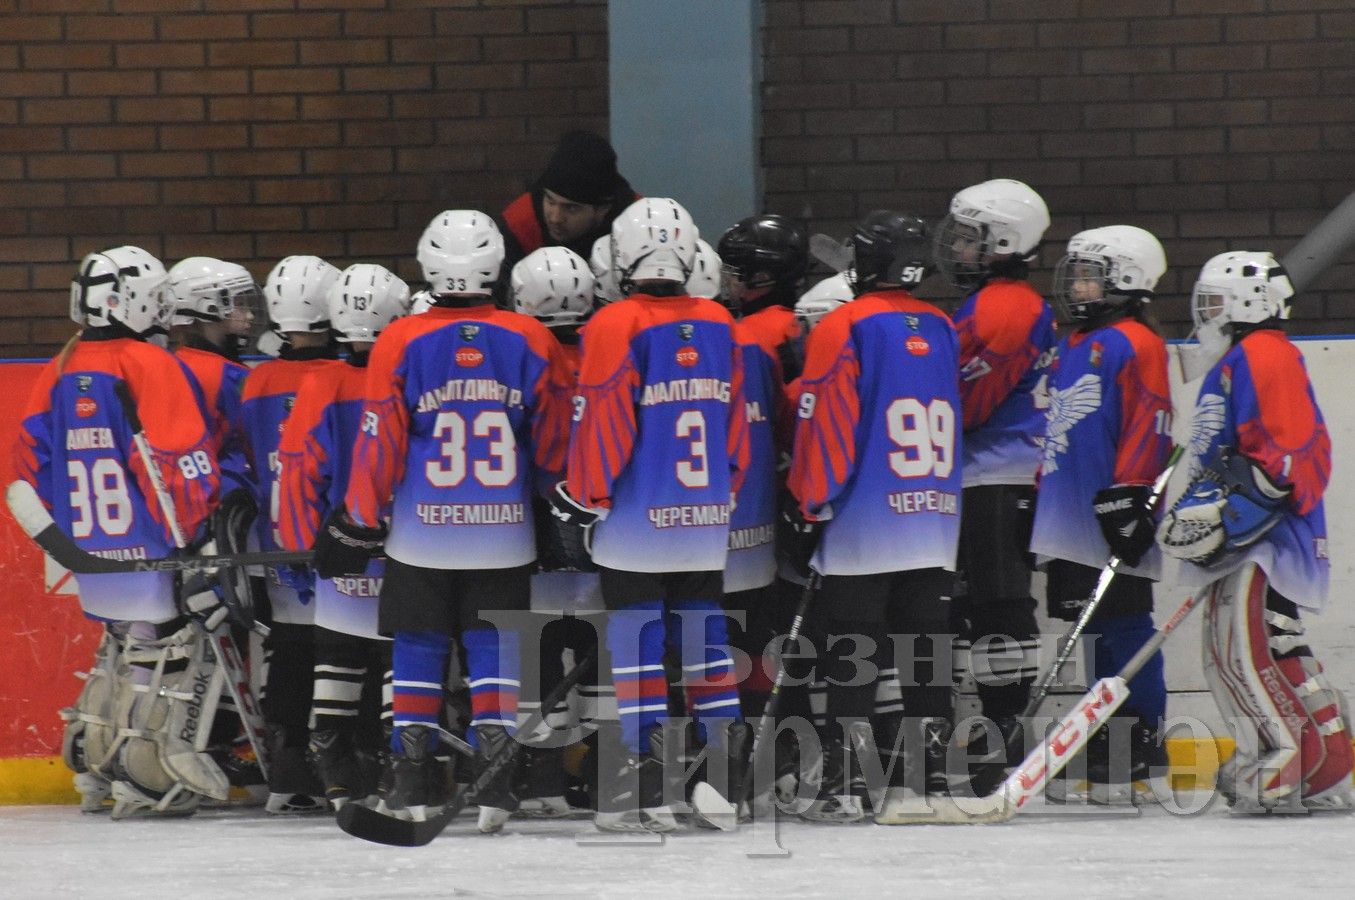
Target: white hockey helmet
x,y
1105,266
122,284
553,285
997,218
653,239
605,287
823,298
206,289
297,291
365,299
1241,286
461,252
420,302
705,278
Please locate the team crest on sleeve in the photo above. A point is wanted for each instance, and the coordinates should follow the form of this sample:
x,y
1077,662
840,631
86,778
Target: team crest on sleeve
x,y
1097,351
1226,379
1067,407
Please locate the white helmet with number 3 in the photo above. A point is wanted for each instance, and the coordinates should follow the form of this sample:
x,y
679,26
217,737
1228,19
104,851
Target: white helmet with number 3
x,y
461,252
1001,217
365,299
553,285
297,291
206,289
653,240
1105,266
1241,286
122,284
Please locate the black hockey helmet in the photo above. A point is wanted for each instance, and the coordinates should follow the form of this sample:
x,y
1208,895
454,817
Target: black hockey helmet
x,y
766,251
890,248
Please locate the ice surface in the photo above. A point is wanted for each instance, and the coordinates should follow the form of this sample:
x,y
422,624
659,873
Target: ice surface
x,y
56,851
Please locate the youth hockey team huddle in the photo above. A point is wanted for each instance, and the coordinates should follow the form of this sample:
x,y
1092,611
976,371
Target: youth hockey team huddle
x,y
609,469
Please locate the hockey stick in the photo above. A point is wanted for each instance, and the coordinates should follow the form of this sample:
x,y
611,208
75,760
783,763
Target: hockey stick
x,y
223,646
37,523
381,828
1069,640
706,799
1047,759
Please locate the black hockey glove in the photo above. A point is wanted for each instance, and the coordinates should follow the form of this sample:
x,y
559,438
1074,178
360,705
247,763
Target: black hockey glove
x,y
798,538
574,526
1125,519
343,547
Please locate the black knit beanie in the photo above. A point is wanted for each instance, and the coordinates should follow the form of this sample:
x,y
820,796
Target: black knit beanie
x,y
582,169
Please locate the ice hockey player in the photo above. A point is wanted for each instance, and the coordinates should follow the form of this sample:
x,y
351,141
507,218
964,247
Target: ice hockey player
x,y
132,737
1252,526
554,285
297,292
1106,439
314,459
659,444
985,246
572,203
465,416
875,479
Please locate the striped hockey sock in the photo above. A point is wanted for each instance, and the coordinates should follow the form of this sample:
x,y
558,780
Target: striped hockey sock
x,y
493,659
707,667
635,638
420,659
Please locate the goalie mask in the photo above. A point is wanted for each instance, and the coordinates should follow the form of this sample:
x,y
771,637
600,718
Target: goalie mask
x,y
763,255
1241,287
653,240
997,219
204,289
1105,267
889,248
123,284
461,252
553,285
297,291
364,300
705,278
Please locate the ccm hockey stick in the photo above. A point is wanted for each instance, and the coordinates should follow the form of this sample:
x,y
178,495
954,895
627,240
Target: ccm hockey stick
x,y
706,799
227,656
382,828
1047,759
37,523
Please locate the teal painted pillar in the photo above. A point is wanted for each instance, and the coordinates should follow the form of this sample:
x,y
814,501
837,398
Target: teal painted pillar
x,y
685,113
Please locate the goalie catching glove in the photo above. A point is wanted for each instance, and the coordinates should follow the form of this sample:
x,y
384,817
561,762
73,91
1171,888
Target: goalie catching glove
x,y
1125,519
343,547
574,526
1229,507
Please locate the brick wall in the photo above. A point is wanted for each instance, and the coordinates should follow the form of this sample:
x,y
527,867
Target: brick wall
x,y
1216,124
253,129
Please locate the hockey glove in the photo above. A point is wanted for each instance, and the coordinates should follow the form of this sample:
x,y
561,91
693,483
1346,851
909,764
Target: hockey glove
x,y
298,578
574,527
343,547
1023,524
203,601
1230,506
798,538
1125,519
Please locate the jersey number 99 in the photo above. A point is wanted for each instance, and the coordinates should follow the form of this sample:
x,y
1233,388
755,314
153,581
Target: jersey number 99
x,y
925,436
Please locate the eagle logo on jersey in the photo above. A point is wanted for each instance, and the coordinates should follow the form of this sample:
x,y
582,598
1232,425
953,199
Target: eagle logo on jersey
x,y
1211,413
1067,407
686,330
468,332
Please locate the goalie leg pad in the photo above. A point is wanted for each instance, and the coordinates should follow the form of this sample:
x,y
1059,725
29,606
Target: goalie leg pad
x,y
169,719
89,739
1278,741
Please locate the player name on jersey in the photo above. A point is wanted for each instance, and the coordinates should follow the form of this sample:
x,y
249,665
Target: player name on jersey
x,y
757,536
908,502
471,513
685,389
689,516
89,438
358,586
138,552
470,389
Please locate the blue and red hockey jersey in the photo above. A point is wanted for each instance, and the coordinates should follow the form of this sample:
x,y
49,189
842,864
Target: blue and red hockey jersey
x,y
75,447
660,433
314,461
1108,422
222,383
1006,330
466,414
1258,400
752,526
878,438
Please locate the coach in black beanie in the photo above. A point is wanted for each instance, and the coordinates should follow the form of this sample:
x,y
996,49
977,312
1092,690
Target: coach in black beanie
x,y
572,203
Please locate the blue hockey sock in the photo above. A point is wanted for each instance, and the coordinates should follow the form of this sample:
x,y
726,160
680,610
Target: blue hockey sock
x,y
492,657
1119,639
635,637
419,666
707,667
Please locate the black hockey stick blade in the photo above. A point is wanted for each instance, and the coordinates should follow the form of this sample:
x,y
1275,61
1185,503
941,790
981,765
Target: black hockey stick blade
x,y
37,523
379,828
